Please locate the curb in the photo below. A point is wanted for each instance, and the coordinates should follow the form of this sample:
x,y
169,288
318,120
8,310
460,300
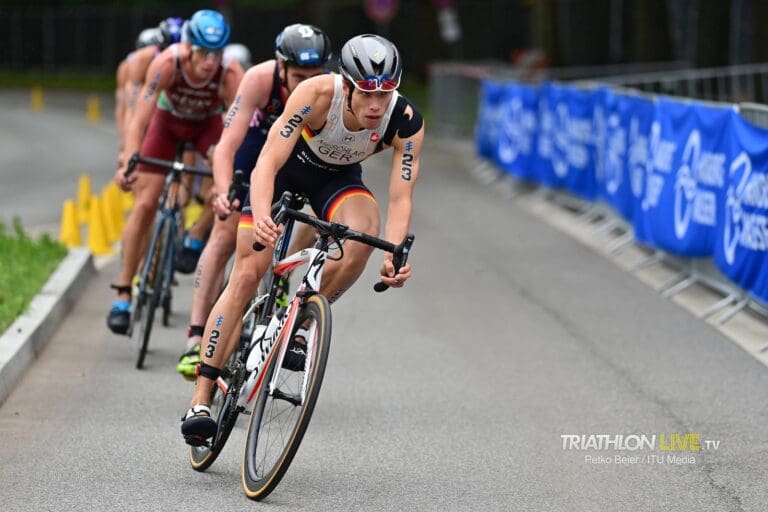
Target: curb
x,y
26,337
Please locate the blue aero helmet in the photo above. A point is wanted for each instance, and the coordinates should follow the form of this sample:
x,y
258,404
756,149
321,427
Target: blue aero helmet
x,y
207,29
170,31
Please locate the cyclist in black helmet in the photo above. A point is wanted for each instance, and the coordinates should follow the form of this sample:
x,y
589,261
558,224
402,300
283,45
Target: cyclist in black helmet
x,y
301,52
330,124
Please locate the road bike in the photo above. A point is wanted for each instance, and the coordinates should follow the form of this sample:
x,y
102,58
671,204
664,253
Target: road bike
x,y
279,392
154,281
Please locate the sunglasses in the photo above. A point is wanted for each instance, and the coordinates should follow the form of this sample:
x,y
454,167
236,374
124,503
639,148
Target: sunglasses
x,y
377,83
205,52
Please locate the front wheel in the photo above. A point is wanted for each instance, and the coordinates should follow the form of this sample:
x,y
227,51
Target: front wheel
x,y
224,409
154,287
280,418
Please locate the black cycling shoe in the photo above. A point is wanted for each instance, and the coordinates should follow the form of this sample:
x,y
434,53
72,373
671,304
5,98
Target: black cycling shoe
x,y
186,260
296,353
119,317
197,425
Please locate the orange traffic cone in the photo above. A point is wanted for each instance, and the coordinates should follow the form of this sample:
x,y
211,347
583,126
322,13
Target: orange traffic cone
x,y
69,233
83,196
98,242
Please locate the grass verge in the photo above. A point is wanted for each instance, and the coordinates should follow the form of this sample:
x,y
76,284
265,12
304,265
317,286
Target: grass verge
x,y
25,266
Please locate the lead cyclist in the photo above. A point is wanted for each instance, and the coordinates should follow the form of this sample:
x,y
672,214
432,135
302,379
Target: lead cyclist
x,y
330,124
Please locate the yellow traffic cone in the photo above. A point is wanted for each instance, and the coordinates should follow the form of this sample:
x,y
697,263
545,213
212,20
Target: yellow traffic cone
x,y
69,234
128,200
114,206
93,110
83,196
36,99
110,222
98,242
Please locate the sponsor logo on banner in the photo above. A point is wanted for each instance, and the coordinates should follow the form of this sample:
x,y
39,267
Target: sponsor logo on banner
x,y
638,157
661,154
518,125
748,229
692,202
615,151
564,139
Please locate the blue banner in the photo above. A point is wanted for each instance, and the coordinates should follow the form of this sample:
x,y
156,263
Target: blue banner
x,y
684,179
565,149
622,128
489,110
517,130
742,232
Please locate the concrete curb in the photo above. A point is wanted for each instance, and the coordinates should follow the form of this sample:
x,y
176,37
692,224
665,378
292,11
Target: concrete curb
x,y
29,334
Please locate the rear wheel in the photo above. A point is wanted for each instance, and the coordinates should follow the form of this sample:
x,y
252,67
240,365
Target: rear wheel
x,y
154,287
280,418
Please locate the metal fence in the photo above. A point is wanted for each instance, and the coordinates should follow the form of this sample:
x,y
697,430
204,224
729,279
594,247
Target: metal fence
x,y
454,87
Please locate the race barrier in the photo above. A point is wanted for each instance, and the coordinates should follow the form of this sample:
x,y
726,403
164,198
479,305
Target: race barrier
x,y
689,177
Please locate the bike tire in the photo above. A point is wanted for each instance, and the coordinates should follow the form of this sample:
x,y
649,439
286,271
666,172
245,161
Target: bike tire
x,y
260,473
155,284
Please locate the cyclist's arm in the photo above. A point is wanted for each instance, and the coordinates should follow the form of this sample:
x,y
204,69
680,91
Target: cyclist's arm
x,y
159,76
120,79
304,106
233,75
405,170
252,93
135,74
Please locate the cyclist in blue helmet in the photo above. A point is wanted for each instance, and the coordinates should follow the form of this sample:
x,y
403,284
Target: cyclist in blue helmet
x,y
207,29
187,87
301,51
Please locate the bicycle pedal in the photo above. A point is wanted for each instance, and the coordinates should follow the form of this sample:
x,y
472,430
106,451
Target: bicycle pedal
x,y
197,441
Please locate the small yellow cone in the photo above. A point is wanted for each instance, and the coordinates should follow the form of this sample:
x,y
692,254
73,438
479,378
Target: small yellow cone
x,y
98,241
36,99
128,200
114,206
69,234
83,197
110,222
93,110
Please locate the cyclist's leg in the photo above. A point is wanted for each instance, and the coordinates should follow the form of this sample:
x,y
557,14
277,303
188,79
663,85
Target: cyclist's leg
x,y
348,202
221,244
158,143
207,284
223,325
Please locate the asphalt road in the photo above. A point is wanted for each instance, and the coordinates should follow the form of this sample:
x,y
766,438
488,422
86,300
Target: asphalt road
x,y
451,394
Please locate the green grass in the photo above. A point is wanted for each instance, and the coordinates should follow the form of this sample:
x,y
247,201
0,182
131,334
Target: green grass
x,y
25,266
85,82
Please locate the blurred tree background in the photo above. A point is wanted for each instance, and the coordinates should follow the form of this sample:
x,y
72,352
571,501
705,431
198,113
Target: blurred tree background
x,y
92,37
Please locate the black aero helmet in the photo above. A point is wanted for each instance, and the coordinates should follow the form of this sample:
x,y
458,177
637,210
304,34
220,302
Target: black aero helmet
x,y
371,62
207,29
302,45
148,37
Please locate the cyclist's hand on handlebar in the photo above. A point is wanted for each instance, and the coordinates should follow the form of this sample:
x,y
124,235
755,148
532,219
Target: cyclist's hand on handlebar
x,y
392,279
265,231
123,182
222,207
